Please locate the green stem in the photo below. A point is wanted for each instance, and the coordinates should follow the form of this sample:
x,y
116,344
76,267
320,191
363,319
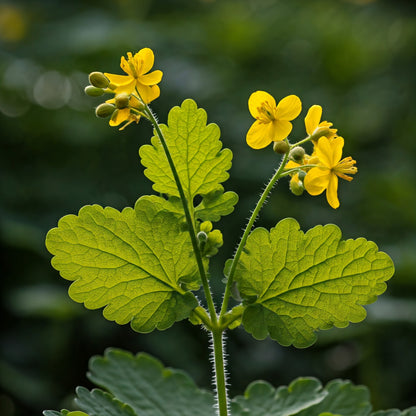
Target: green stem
x,y
276,176
190,222
219,367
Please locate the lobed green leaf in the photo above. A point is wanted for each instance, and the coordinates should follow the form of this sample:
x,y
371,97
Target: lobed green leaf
x,y
136,263
261,399
293,283
201,162
343,398
142,383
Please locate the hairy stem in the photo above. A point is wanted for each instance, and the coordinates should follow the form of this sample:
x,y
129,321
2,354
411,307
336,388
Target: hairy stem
x,y
276,176
219,368
188,217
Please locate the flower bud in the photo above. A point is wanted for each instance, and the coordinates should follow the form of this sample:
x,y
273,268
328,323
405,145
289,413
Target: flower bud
x,y
206,226
202,237
98,79
297,154
93,91
301,175
122,100
281,147
296,186
319,132
104,110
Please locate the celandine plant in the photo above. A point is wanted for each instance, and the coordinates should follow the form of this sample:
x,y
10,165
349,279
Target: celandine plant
x,y
144,264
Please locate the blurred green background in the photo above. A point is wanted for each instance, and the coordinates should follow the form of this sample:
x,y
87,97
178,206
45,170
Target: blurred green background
x,y
355,58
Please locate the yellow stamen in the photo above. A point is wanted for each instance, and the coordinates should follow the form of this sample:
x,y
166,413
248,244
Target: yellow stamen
x,y
266,112
344,167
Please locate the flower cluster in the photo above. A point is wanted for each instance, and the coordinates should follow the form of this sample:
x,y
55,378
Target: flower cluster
x,y
316,172
131,92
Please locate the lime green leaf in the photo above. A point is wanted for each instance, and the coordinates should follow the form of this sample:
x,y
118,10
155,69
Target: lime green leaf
x,y
261,399
344,399
98,402
215,205
135,263
294,283
201,162
142,383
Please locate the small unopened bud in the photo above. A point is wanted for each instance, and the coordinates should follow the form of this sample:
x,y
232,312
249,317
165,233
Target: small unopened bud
x,y
98,79
281,147
319,132
122,100
302,175
202,237
93,91
296,186
297,154
104,110
206,226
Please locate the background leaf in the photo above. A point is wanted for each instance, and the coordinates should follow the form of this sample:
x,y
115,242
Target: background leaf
x,y
132,262
139,385
344,399
295,283
99,403
143,383
261,399
201,162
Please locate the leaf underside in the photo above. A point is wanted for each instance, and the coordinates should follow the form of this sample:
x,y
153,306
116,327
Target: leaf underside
x,y
294,283
139,385
135,263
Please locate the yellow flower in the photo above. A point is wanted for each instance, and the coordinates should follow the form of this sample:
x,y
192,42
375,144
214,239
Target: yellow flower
x,y
272,122
313,122
137,67
330,168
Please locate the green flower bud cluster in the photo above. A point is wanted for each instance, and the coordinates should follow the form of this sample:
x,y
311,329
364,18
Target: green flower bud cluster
x,y
209,240
99,84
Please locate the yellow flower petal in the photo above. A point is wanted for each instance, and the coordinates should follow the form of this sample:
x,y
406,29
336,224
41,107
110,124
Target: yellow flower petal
x,y
317,180
148,93
144,60
324,151
152,78
313,118
257,99
257,136
280,129
332,191
337,145
118,79
291,165
124,64
288,108
119,116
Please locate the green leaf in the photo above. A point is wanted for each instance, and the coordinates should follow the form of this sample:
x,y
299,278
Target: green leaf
x,y
215,205
294,283
136,263
100,403
261,399
343,398
201,162
395,412
142,383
